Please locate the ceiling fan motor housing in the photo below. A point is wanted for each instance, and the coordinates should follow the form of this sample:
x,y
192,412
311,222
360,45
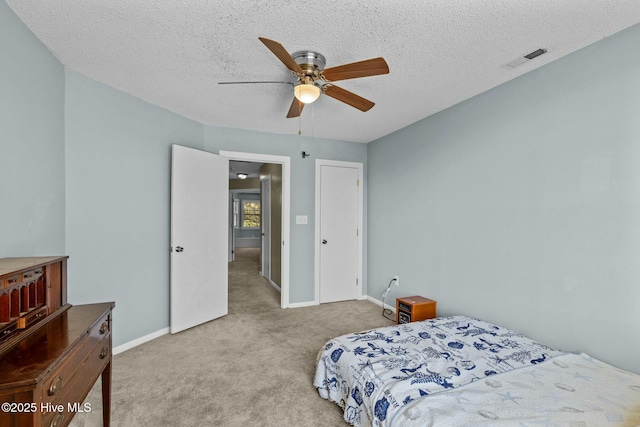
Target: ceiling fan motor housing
x,y
312,63
306,57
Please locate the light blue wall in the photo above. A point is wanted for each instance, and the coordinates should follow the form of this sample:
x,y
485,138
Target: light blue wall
x,y
301,286
118,167
31,143
527,201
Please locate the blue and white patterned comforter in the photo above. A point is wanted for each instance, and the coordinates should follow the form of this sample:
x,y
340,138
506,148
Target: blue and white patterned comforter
x,y
376,374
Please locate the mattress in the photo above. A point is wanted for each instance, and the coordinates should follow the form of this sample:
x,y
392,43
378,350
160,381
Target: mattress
x,y
464,371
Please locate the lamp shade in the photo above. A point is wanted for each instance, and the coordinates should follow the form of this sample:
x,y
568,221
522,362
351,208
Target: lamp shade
x,y
306,93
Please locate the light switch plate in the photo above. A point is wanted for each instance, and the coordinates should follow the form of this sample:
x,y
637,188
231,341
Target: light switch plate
x,y
302,219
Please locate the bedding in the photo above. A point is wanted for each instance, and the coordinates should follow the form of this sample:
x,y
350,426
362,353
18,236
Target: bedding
x,y
570,390
464,371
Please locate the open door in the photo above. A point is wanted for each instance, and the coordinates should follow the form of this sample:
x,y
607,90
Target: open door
x,y
199,237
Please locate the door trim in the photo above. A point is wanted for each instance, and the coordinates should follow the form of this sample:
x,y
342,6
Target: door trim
x,y
285,161
265,241
360,168
232,243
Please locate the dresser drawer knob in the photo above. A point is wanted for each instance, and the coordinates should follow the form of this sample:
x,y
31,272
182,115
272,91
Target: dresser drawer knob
x,y
57,420
104,328
55,387
104,353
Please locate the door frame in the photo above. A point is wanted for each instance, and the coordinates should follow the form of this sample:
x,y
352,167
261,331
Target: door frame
x,y
232,237
285,161
265,242
360,168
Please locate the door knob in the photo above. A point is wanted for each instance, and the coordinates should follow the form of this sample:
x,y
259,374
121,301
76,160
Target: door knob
x,y
179,249
324,241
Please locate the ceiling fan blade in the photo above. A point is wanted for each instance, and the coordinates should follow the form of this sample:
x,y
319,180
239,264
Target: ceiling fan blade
x,y
296,108
347,97
369,67
282,54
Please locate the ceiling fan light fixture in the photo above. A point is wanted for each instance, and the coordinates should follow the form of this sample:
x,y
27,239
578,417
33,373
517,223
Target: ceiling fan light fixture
x,y
314,79
306,93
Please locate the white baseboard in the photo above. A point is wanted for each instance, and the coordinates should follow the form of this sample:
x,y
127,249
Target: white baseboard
x,y
275,285
303,304
366,297
378,302
129,345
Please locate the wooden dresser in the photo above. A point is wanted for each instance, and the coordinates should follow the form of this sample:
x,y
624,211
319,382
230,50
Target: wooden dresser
x,y
51,353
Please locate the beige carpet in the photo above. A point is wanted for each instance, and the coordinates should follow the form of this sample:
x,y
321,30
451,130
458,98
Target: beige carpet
x,y
253,367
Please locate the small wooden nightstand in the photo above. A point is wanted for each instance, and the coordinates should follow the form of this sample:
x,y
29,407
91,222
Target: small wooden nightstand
x,y
414,309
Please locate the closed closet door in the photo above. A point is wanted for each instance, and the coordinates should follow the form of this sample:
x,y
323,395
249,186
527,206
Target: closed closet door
x,y
339,233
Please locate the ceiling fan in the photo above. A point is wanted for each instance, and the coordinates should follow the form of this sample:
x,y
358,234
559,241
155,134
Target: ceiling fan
x,y
313,79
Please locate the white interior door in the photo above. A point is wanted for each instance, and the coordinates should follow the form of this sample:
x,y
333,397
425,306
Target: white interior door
x,y
338,233
199,240
265,223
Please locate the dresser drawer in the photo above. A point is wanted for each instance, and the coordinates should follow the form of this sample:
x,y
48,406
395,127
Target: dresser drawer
x,y
56,385
101,328
62,378
95,361
56,419
71,395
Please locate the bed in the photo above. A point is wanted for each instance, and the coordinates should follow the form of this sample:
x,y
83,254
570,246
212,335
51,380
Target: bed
x,y
462,371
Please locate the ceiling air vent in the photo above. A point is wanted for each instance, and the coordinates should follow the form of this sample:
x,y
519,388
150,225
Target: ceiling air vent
x,y
526,58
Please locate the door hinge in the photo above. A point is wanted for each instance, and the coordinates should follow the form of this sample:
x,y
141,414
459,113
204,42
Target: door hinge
x,y
356,281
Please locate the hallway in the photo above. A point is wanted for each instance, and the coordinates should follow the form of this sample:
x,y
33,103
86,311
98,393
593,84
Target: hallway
x,y
248,290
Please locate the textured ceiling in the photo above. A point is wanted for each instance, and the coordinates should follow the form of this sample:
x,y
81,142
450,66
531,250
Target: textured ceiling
x,y
172,53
